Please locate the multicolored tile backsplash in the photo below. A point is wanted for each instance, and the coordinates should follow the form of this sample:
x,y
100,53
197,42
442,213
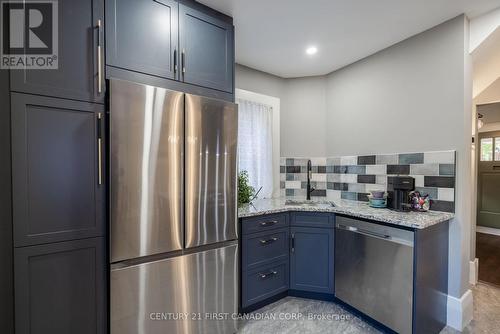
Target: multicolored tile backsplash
x,y
353,177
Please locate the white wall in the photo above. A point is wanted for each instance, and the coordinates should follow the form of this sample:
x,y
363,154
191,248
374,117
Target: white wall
x,y
303,130
487,127
486,63
259,82
302,110
481,27
411,97
490,94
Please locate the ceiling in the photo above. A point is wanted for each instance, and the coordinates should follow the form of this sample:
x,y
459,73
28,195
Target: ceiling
x,y
272,35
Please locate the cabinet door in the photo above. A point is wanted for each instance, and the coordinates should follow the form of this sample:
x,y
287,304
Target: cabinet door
x,y
311,259
207,49
141,35
78,70
60,288
57,193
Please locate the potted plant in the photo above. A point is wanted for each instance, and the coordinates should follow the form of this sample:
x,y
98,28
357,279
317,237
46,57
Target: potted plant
x,y
245,191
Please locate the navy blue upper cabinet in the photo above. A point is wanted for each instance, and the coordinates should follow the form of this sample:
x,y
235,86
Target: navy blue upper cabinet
x,y
311,259
79,56
206,43
141,35
57,169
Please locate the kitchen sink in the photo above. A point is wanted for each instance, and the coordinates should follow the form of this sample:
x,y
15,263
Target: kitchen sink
x,y
308,203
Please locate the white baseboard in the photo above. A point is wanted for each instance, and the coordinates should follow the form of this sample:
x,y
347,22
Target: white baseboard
x,y
488,230
474,271
460,311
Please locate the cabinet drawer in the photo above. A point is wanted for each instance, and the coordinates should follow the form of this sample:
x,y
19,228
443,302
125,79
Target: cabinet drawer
x,y
264,223
264,282
312,219
264,247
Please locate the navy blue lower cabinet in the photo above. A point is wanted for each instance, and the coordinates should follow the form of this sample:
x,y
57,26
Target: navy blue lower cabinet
x,y
264,282
311,259
60,288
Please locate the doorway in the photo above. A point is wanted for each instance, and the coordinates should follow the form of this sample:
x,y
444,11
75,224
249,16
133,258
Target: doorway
x,y
488,193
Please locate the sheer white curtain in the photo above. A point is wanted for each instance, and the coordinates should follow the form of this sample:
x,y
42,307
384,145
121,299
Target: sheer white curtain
x,y
255,144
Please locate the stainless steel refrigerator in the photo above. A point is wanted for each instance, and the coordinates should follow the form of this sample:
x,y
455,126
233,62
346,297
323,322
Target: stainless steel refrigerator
x,y
173,248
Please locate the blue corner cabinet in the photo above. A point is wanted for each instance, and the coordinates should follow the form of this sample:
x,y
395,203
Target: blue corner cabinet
x,y
311,253
311,267
286,253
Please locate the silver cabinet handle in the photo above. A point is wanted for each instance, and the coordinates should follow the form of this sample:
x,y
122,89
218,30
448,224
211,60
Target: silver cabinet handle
x,y
183,62
268,241
269,223
175,61
293,242
99,57
99,148
266,275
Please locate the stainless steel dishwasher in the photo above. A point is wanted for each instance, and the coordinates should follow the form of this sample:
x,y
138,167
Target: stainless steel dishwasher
x,y
374,271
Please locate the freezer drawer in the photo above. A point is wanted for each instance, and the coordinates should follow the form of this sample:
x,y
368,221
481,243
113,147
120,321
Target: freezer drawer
x,y
147,143
211,141
374,271
149,298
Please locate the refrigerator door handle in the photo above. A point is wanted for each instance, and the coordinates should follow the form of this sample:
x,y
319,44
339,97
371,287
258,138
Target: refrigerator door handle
x,y
99,149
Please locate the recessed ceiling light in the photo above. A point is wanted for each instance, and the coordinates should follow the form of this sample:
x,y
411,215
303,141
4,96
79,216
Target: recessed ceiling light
x,y
311,50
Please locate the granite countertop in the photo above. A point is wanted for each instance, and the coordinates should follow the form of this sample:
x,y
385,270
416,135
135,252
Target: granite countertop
x,y
417,220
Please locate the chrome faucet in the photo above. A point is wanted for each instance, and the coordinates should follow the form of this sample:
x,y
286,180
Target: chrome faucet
x,y
309,189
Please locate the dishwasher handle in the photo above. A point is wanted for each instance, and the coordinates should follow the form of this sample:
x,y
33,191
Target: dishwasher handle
x,y
362,231
377,235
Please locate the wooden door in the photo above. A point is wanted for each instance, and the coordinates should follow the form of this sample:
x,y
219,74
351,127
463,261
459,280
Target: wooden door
x,y
488,191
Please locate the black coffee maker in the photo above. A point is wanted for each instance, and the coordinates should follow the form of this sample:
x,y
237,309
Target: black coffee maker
x,y
398,189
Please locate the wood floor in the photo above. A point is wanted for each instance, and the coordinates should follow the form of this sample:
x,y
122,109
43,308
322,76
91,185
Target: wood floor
x,y
488,253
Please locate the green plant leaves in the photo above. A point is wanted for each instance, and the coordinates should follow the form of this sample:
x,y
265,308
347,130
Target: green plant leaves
x,y
245,190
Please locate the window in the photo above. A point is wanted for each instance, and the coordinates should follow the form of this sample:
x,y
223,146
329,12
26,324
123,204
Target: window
x,y
255,144
497,149
486,149
490,152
